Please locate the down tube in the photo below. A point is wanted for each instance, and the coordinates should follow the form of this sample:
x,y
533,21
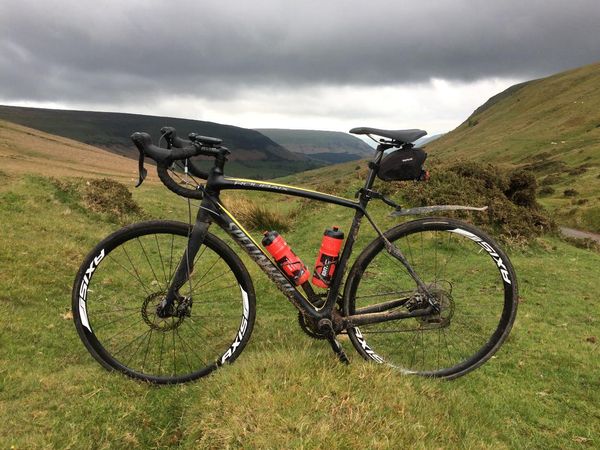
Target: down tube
x,y
244,240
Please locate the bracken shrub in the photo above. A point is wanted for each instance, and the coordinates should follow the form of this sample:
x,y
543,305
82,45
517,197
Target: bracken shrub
x,y
109,197
521,188
69,188
579,170
513,212
546,166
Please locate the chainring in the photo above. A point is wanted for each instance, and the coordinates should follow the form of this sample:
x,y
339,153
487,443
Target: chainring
x,y
305,326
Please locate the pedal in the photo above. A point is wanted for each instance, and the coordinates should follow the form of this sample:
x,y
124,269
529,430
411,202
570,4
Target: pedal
x,y
326,327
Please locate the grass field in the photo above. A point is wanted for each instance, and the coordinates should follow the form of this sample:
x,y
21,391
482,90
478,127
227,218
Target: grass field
x,y
541,390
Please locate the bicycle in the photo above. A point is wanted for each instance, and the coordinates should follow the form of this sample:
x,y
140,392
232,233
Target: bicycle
x,y
169,302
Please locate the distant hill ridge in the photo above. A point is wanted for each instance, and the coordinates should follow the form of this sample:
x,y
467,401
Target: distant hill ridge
x,y
253,154
329,146
112,130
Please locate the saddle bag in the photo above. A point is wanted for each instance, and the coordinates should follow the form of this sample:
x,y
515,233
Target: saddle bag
x,y
403,164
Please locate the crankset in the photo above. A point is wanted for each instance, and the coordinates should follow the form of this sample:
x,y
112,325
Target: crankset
x,y
310,328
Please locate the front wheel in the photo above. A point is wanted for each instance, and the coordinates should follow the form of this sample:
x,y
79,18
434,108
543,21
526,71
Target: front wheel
x,y
469,279
121,284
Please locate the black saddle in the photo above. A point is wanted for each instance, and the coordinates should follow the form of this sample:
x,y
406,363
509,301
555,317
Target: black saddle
x,y
404,136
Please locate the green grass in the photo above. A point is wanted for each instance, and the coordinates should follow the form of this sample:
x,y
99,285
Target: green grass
x,y
285,391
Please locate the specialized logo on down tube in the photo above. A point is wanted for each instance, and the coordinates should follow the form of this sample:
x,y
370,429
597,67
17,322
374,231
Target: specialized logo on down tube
x,y
488,248
83,289
241,331
262,260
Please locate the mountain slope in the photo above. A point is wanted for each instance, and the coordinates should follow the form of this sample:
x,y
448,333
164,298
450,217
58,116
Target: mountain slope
x,y
550,125
329,146
554,117
25,150
425,140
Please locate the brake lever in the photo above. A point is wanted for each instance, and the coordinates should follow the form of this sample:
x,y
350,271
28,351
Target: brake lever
x,y
142,171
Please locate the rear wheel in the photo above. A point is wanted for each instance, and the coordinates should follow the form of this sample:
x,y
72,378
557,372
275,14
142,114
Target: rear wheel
x,y
122,282
470,280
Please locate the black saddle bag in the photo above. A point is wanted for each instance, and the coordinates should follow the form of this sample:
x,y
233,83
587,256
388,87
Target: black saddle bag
x,y
403,164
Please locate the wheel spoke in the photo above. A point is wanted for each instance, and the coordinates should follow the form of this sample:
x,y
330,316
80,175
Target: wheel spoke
x,y
149,263
162,264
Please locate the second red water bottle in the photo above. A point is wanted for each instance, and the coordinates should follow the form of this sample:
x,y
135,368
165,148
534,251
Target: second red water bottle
x,y
328,257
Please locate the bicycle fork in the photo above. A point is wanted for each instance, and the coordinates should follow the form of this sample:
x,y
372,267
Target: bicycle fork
x,y
186,265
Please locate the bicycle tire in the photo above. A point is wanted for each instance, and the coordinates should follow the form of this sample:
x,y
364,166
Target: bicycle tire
x,y
122,280
478,301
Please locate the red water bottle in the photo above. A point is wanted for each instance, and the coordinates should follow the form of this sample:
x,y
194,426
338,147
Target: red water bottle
x,y
328,257
293,267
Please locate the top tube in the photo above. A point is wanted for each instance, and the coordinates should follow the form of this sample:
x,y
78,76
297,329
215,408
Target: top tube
x,y
225,183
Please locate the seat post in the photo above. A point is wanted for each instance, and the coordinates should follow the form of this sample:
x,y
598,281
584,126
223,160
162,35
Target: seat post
x,y
374,165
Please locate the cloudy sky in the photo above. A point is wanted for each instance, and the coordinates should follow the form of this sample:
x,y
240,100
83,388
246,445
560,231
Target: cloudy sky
x,y
282,63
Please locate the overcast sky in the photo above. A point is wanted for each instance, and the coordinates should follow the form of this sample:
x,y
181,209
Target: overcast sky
x,y
289,64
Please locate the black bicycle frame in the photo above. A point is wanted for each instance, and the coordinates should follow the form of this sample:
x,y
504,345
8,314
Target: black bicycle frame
x,y
213,210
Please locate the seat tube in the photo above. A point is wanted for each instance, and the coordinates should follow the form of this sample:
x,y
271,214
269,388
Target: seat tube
x,y
347,251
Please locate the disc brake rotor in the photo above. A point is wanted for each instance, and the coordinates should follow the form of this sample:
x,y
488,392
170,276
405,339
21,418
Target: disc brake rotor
x,y
173,321
441,293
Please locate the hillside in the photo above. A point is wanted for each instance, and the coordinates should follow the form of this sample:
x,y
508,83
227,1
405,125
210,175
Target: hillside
x,y
25,150
550,125
427,140
327,146
252,152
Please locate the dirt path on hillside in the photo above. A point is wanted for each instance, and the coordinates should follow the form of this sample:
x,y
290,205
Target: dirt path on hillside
x,y
571,232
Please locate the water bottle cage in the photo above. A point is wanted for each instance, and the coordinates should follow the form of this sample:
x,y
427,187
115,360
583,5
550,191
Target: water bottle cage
x,y
326,265
295,273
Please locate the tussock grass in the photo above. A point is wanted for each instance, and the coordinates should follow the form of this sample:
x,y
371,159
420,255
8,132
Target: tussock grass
x,y
257,216
586,243
109,197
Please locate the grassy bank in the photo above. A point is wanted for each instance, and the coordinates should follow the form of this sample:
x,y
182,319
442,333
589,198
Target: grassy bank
x,y
286,390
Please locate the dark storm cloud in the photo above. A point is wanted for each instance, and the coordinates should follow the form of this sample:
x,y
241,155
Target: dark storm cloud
x,y
113,51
